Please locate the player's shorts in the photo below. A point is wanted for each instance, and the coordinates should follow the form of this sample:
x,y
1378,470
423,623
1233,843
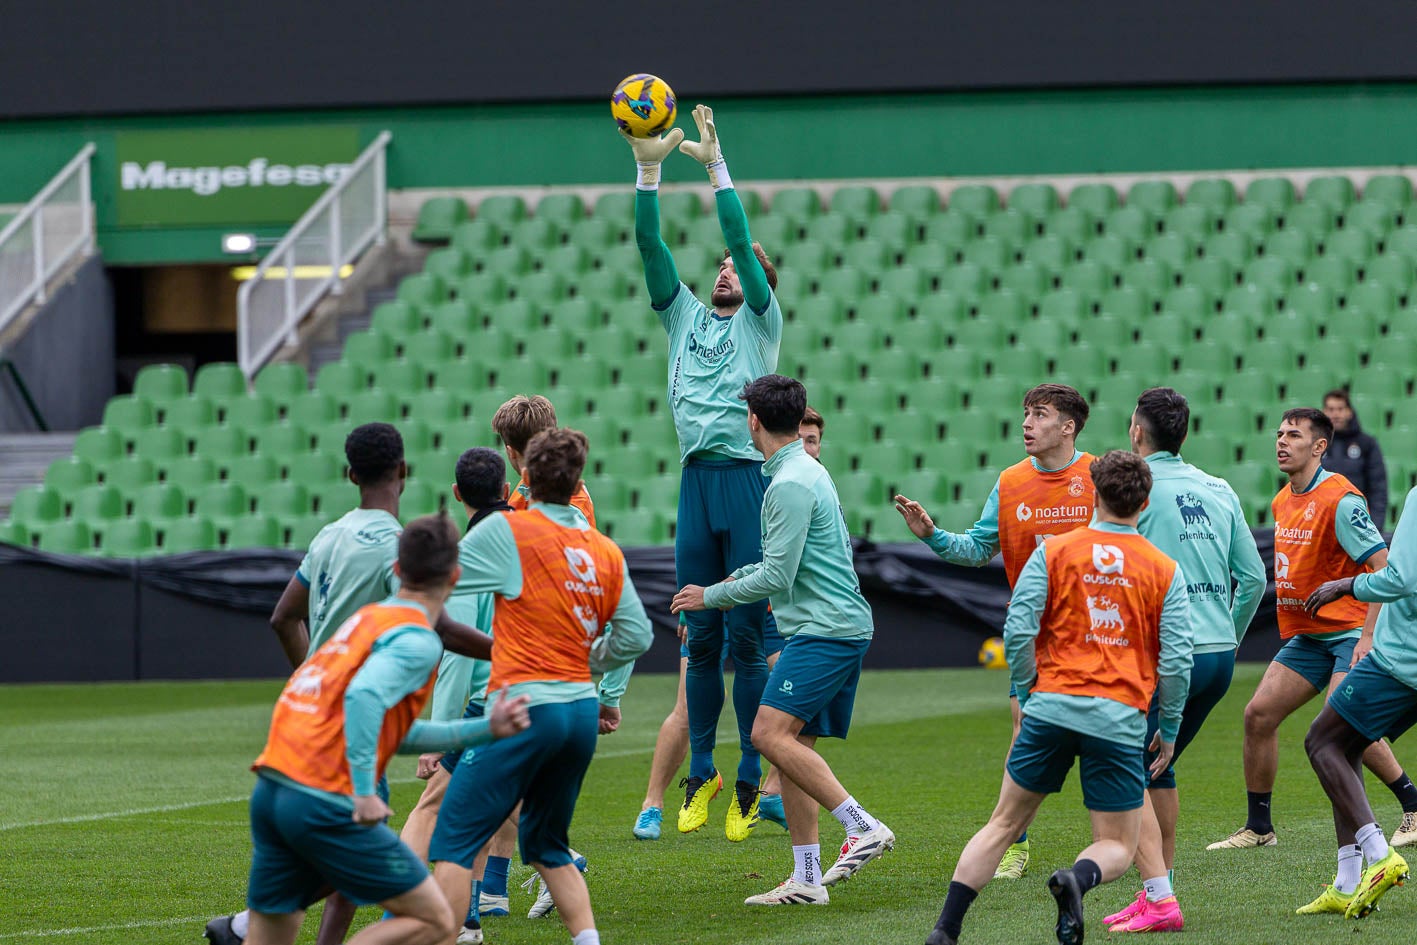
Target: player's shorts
x,y
1210,679
1113,776
542,767
474,710
303,844
1374,703
815,680
1317,660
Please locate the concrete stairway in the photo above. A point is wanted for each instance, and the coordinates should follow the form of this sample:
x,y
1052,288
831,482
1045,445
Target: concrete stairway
x,y
24,458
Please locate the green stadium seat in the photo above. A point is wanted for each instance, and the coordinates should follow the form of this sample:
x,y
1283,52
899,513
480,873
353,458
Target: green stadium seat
x,y
521,375
1217,194
482,289
807,256
1333,191
284,500
569,260
660,493
796,203
1174,249
368,349
1316,306
1051,253
681,205
1251,219
339,380
1150,276
429,349
622,402
1035,201
477,236
1312,218
857,204
1276,193
128,538
282,382
576,375
989,253
1074,224
1375,219
314,470
99,445
870,256
1250,387
975,201
1251,301
94,504
254,531
846,283
1356,246
542,289
862,337
893,230
128,413
1125,303
616,205
250,412
435,406
1194,221
183,535
254,471
951,229
1168,331
535,234
1089,278
300,532
831,230
449,265
634,528
1292,245
562,209
1132,223
1394,190
1099,200
1062,305
1277,354
1234,248
219,382
1025,279
406,376
375,405
316,407
36,505
190,412
920,335
69,537
502,210
133,472
1112,251
1011,227
437,218
158,500
1156,197
1269,272
190,473
70,474
160,383
423,290
1189,302
609,286
1403,241
919,202
221,502
221,443
1334,273
1377,304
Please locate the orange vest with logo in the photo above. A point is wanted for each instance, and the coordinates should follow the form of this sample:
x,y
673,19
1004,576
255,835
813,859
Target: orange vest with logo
x,y
1100,634
581,500
571,583
306,743
1034,505
1307,552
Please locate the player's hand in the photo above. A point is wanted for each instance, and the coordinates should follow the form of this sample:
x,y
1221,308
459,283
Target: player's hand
x,y
1327,593
1362,648
653,150
609,719
690,598
706,150
370,809
1165,751
427,764
916,518
509,716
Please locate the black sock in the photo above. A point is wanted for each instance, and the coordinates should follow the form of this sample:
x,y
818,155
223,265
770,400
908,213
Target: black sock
x,y
1259,820
957,903
1405,791
1088,874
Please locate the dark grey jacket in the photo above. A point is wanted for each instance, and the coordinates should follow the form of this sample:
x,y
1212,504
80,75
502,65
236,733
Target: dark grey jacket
x,y
1356,456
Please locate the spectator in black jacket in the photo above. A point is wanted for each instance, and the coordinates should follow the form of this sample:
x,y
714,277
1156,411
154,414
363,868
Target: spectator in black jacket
x,y
1355,455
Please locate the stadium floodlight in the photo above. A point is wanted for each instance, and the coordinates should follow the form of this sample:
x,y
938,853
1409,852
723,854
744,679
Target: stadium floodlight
x,y
238,244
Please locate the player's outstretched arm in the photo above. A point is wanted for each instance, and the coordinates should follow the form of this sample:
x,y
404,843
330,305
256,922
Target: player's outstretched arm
x,y
288,620
731,216
463,640
400,663
973,549
661,276
787,516
506,718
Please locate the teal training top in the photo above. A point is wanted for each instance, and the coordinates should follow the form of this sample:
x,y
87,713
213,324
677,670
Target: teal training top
x,y
1097,715
1395,586
1355,531
807,571
710,357
491,565
1197,521
350,564
978,546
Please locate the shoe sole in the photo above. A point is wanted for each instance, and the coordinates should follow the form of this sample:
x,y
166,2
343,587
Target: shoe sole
x,y
1371,903
831,880
1069,929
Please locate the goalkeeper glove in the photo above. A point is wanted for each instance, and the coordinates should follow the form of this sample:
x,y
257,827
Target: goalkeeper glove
x,y
649,154
706,150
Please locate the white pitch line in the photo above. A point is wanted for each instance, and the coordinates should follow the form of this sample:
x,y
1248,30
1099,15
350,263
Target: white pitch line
x,y
115,815
143,924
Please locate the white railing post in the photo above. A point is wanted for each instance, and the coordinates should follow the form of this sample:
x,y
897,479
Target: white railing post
x,y
37,242
267,319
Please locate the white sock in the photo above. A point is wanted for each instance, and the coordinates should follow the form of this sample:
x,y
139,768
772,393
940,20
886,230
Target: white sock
x,y
1157,889
854,818
1350,869
586,937
241,923
807,864
1370,838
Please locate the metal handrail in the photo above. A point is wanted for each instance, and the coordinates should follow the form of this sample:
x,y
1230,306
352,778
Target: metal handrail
x,y
32,217
321,225
13,370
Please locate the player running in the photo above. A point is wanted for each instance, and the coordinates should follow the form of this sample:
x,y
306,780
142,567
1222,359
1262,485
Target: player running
x,y
516,422
316,818
1321,531
1098,625
714,349
1049,493
1377,700
558,584
807,570
1197,521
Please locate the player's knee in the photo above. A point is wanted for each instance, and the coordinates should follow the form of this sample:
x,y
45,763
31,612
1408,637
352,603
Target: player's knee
x,y
765,735
1260,719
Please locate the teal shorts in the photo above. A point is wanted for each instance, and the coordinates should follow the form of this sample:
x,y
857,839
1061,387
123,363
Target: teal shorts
x,y
449,761
815,680
1113,774
541,767
1317,660
303,844
1374,703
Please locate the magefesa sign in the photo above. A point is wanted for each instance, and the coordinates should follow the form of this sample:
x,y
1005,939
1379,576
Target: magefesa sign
x,y
227,176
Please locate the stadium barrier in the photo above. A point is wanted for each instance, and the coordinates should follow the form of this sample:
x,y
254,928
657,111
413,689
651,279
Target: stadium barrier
x,y
204,615
53,228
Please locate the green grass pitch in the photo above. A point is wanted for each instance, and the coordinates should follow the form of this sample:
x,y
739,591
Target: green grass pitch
x,y
124,820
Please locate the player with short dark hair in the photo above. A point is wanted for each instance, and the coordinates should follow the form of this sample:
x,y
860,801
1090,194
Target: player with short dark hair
x,y
1049,493
807,571
1097,626
714,349
1322,531
1197,521
317,819
811,431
